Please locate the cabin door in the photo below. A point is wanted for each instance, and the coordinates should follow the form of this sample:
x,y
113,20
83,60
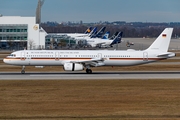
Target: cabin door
x,y
145,56
57,56
23,57
28,58
99,55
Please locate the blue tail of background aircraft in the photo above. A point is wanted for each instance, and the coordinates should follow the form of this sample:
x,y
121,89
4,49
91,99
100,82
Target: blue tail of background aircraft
x,y
93,32
113,36
117,39
99,33
106,35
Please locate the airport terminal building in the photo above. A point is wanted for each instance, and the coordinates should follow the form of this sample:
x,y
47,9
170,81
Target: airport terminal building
x,y
21,33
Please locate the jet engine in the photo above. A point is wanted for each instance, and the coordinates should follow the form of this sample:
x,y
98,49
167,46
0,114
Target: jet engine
x,y
73,67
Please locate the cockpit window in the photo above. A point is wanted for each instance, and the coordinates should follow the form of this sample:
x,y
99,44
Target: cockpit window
x,y
12,55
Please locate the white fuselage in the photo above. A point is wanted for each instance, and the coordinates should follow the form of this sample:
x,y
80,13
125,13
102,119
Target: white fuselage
x,y
77,35
93,42
60,57
97,41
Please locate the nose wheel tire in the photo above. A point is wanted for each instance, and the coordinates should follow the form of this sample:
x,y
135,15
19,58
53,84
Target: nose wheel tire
x,y
88,71
22,71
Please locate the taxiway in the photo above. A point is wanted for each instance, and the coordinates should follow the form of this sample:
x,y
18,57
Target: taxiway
x,y
145,75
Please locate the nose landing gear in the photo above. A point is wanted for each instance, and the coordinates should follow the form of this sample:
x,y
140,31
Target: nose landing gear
x,y
23,70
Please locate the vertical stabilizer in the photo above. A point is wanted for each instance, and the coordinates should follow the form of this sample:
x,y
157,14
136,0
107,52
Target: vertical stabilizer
x,y
88,30
99,33
106,35
162,42
114,35
93,31
117,39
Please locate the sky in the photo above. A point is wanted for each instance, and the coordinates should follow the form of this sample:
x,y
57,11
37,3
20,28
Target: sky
x,y
96,10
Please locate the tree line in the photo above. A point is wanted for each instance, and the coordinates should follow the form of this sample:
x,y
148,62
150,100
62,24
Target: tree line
x,y
128,30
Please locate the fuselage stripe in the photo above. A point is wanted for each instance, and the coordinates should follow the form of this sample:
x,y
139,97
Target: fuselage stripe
x,y
84,59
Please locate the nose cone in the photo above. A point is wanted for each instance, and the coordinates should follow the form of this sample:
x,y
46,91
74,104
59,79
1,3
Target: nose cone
x,y
5,60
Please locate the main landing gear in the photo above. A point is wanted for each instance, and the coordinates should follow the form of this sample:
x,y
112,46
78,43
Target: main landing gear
x,y
23,70
88,71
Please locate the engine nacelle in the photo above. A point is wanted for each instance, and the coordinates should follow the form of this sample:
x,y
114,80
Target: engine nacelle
x,y
73,67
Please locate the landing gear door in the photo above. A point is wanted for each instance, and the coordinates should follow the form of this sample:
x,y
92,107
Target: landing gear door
x,y
145,56
23,57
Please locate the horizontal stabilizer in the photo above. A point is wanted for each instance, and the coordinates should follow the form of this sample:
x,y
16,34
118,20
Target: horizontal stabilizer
x,y
168,54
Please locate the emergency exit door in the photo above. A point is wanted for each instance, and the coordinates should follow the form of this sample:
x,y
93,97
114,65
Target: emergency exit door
x,y
145,56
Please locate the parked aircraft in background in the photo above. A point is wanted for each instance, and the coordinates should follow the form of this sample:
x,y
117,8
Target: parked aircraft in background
x,y
94,42
93,34
96,39
88,30
106,35
91,37
86,33
98,34
113,36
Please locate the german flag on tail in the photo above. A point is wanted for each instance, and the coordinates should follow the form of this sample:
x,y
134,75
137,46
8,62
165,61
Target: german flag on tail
x,y
163,35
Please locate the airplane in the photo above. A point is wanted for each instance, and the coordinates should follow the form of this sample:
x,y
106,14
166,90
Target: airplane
x,y
93,34
78,60
106,35
99,33
94,42
113,36
82,35
88,30
86,33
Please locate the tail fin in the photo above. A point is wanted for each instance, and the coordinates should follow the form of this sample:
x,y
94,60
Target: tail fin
x,y
106,35
93,31
117,39
99,33
114,35
162,42
88,30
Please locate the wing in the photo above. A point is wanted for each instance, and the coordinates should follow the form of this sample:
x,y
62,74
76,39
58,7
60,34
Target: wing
x,y
94,62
